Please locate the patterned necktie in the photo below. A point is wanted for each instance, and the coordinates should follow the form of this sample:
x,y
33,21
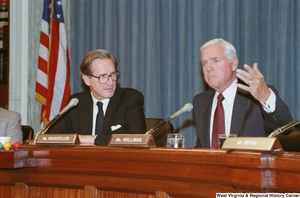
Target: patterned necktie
x,y
99,119
219,122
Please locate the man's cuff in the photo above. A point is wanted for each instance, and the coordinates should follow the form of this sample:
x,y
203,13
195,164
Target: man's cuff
x,y
270,105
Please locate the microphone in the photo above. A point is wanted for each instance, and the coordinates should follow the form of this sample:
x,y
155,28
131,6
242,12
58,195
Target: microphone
x,y
186,108
71,104
283,129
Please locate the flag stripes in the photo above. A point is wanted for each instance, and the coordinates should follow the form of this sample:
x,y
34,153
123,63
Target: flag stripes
x,y
53,76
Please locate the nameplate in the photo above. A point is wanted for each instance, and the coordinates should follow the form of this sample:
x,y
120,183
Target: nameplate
x,y
252,143
132,140
57,139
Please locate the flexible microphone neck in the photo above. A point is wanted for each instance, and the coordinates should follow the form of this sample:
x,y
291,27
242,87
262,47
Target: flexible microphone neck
x,y
152,130
71,104
283,129
187,107
48,125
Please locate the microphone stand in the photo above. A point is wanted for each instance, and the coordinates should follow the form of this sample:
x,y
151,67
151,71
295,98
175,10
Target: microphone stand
x,y
46,127
283,129
185,108
71,104
152,130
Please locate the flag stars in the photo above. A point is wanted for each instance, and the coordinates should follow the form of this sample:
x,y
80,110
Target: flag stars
x,y
53,84
58,2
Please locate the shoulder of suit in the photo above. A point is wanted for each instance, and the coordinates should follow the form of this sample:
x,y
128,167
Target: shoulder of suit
x,y
127,90
204,98
205,93
81,95
9,113
84,97
127,93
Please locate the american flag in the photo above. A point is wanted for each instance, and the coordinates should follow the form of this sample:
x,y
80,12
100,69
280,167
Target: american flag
x,y
53,76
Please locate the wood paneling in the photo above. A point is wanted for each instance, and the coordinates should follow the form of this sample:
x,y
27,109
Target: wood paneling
x,y
94,171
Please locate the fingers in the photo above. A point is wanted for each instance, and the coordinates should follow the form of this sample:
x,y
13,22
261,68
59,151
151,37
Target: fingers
x,y
244,87
250,75
257,86
256,70
252,71
245,75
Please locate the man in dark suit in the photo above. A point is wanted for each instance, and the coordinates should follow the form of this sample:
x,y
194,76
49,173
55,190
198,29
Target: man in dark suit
x,y
123,108
251,107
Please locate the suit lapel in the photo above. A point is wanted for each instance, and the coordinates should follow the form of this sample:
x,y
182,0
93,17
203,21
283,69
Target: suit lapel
x,y
207,105
111,111
86,113
240,108
205,139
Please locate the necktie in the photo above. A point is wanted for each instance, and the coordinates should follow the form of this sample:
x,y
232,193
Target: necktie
x,y
219,122
99,119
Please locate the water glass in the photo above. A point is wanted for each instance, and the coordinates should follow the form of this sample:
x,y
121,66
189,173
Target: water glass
x,y
222,138
175,140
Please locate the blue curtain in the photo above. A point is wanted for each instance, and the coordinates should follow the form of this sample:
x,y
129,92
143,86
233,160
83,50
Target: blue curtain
x,y
157,46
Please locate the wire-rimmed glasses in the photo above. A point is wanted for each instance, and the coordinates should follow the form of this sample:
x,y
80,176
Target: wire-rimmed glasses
x,y
104,78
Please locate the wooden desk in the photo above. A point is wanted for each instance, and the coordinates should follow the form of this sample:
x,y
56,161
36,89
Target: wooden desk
x,y
94,171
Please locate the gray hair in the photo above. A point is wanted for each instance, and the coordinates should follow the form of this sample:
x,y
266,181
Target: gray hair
x,y
229,49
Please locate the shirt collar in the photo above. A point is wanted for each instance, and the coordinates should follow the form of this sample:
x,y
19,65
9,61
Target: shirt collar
x,y
104,101
230,92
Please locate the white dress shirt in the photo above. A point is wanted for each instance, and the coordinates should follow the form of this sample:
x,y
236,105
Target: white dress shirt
x,y
95,110
229,95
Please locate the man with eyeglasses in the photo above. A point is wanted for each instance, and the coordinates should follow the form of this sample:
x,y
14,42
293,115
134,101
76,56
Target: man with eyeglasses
x,y
123,108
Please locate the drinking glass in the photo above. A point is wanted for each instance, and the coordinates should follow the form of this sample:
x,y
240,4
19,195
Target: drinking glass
x,y
222,138
175,140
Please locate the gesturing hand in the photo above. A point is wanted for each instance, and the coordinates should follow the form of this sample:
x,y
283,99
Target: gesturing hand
x,y
257,86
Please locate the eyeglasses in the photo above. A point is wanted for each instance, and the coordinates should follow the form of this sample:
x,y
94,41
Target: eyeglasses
x,y
104,78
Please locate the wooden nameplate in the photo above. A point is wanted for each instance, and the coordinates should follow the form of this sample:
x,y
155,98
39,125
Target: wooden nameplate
x,y
132,140
252,143
57,139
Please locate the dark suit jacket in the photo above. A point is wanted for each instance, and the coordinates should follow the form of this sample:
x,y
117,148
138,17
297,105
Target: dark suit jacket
x,y
248,116
125,108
